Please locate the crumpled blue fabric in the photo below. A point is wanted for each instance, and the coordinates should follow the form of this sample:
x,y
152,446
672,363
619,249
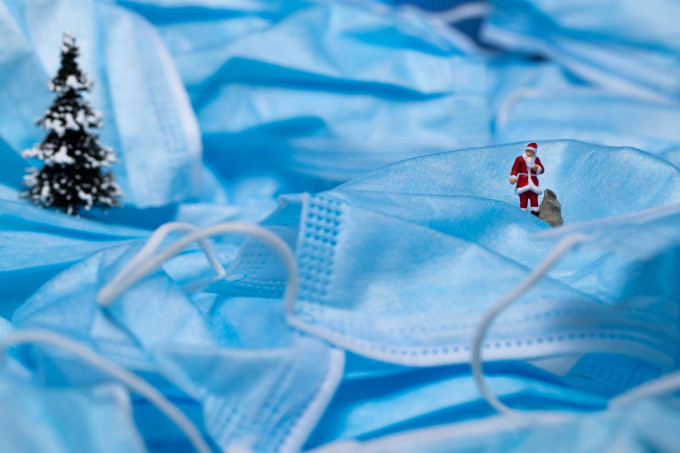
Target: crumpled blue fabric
x,y
281,396
647,425
616,45
397,266
543,101
328,90
96,419
147,115
455,251
42,243
376,405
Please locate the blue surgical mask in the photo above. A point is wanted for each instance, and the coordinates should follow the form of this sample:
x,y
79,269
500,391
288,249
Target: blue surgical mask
x,y
123,332
264,400
591,116
63,420
147,115
43,243
184,345
376,87
639,427
614,45
463,255
371,406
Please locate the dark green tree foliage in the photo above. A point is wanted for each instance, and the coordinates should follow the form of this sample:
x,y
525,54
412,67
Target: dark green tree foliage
x,y
76,170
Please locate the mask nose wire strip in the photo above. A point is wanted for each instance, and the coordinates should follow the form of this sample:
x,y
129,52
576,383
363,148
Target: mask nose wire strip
x,y
563,247
155,241
659,386
110,293
134,382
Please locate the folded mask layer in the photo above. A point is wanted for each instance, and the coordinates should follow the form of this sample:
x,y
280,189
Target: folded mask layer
x,y
153,313
65,420
594,117
614,44
264,400
279,382
147,114
636,428
588,179
42,243
369,407
399,266
397,291
327,89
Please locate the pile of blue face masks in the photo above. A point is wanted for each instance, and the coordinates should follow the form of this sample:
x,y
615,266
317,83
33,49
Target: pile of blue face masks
x,y
616,45
324,89
346,323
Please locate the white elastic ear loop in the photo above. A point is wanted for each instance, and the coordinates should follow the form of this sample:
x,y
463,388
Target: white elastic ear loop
x,y
134,382
560,250
155,241
509,102
157,238
659,386
110,293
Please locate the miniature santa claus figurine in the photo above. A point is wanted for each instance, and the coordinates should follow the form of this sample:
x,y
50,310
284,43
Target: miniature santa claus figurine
x,y
524,172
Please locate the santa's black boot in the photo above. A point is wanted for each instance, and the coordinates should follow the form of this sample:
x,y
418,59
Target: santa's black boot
x,y
534,213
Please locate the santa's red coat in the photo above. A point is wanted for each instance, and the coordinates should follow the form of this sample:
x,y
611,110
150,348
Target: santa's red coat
x,y
520,171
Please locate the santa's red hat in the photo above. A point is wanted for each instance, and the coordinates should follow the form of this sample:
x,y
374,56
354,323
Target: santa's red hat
x,y
532,147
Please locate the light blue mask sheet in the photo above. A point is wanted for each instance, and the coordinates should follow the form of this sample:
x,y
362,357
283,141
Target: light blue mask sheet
x,y
641,256
5,327
640,427
614,44
378,403
540,101
42,243
95,419
447,229
324,89
184,346
148,118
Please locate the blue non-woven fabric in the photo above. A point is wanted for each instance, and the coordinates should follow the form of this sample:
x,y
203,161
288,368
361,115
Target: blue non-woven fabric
x,y
324,89
124,334
443,227
648,243
617,45
262,399
512,76
37,244
532,101
594,117
148,118
42,243
183,345
637,428
614,370
95,419
581,174
369,407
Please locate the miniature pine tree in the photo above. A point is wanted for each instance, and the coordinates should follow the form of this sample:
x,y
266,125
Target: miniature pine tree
x,y
76,171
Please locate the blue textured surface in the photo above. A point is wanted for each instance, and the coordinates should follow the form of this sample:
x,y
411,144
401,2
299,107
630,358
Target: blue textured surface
x,y
376,140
